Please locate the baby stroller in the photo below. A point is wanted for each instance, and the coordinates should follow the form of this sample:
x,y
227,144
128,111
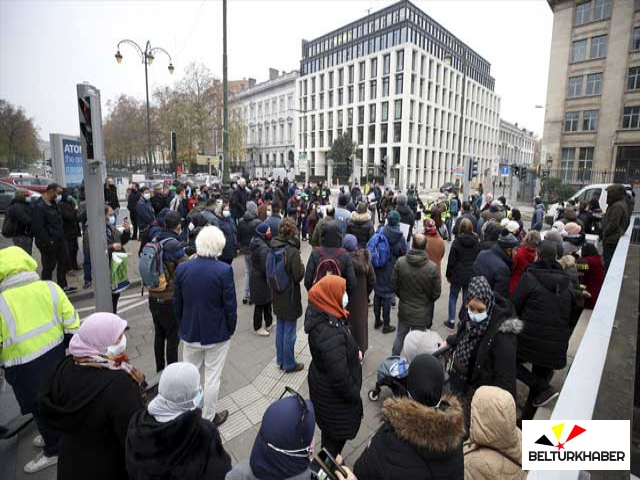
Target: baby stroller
x,y
391,373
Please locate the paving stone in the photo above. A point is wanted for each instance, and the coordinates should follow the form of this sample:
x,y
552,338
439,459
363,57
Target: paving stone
x,y
255,411
234,426
227,403
246,396
265,384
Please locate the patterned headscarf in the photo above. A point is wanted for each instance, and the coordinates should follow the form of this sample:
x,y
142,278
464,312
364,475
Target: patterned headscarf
x,y
473,331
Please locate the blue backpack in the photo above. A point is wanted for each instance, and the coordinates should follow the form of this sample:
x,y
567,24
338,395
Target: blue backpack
x,y
151,266
277,277
379,249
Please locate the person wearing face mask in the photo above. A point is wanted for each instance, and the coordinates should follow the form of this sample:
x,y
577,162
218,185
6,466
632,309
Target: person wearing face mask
x,y
261,295
224,221
335,374
246,230
422,434
115,242
111,194
169,438
496,264
274,218
313,217
90,399
49,233
71,226
19,216
31,344
145,214
486,342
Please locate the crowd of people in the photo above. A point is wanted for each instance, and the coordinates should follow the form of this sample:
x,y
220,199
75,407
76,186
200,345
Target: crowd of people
x,y
523,291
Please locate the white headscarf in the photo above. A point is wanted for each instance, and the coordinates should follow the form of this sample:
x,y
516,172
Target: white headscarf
x,y
179,386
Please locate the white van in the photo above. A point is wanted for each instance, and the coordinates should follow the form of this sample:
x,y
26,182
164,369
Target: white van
x,y
583,195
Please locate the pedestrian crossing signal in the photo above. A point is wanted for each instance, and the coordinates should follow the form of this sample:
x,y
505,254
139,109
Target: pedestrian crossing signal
x,y
86,129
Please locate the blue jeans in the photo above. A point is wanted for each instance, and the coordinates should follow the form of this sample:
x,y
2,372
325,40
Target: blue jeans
x,y
447,223
453,299
285,343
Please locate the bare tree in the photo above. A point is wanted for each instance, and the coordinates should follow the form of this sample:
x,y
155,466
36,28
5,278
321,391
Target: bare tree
x,y
18,137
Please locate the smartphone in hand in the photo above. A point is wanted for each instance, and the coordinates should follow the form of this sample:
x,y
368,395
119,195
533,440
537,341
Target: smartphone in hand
x,y
327,466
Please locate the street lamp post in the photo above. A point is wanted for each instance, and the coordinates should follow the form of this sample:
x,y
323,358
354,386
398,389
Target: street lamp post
x,y
147,56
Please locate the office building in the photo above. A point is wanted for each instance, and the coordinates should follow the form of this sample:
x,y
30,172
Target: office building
x,y
398,83
517,145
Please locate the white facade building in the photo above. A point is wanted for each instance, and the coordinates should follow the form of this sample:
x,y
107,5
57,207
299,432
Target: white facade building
x,y
517,145
395,82
268,112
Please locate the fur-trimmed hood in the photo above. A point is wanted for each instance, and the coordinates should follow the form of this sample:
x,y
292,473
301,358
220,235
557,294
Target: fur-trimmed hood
x,y
513,325
360,217
438,430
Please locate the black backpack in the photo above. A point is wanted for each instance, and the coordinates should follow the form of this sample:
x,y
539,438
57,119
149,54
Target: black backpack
x,y
9,227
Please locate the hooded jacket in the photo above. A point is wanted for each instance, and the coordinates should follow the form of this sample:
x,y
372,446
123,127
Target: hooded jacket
x,y
495,448
186,448
415,442
246,230
91,407
20,213
543,301
537,219
259,289
416,281
495,266
406,216
616,218
335,375
288,304
463,253
398,248
361,226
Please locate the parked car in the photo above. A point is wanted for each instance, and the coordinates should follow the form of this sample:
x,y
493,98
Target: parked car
x,y
8,193
583,195
35,184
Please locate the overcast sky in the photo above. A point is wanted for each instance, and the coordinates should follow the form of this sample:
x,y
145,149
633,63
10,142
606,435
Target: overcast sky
x,y
47,47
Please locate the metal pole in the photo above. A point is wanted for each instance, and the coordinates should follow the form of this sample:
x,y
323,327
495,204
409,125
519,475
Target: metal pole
x,y
146,85
93,167
225,91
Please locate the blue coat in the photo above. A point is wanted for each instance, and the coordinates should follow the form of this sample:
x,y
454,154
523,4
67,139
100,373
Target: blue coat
x,y
398,246
495,266
205,301
144,214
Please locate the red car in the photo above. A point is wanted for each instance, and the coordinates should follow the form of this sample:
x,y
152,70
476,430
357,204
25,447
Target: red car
x,y
35,184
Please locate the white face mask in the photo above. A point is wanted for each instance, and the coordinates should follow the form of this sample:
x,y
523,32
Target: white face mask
x,y
345,300
58,198
269,213
191,227
477,317
119,348
226,213
146,196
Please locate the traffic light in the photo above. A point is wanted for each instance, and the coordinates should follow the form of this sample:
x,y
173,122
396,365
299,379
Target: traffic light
x,y
86,129
383,165
473,168
523,173
516,171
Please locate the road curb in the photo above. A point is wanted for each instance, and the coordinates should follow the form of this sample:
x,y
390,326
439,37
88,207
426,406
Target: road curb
x,y
88,293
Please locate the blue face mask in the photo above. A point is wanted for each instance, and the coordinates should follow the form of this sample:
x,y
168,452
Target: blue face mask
x,y
69,198
477,317
197,401
112,220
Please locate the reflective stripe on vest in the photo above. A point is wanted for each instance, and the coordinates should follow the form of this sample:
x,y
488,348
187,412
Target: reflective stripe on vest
x,y
10,321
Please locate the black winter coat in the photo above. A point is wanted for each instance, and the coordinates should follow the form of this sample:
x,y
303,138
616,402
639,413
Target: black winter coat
x,y
494,360
132,201
344,261
398,247
20,213
246,230
91,407
158,202
186,448
238,204
46,223
258,287
111,196
407,216
495,266
335,375
228,227
543,301
288,304
70,221
361,226
415,442
469,216
463,254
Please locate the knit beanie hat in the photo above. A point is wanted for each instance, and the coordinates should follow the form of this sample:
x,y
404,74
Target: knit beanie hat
x,y
393,219
252,208
402,199
361,208
507,239
425,380
350,243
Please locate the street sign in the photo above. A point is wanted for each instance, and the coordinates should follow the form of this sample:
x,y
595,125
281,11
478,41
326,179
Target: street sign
x,y
504,171
495,167
458,172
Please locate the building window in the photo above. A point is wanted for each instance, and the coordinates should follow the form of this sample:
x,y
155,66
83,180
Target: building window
x,y
330,137
579,50
575,87
568,157
636,39
330,121
330,75
340,119
321,101
340,97
373,87
372,134
360,115
385,87
631,118
330,98
349,117
322,82
585,158
351,94
601,9
372,113
400,60
361,71
598,46
398,110
374,67
590,120
340,77
384,133
397,131
350,73
361,92
571,121
583,13
399,80
386,64
594,84
360,135
385,111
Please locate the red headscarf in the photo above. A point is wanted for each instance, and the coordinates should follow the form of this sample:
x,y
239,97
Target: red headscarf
x,y
326,295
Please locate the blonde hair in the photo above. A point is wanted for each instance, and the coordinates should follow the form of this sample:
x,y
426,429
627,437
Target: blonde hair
x,y
567,261
210,242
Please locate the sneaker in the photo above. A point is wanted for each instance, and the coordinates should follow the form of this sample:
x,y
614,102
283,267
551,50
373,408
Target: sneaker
x,y
69,289
450,324
388,329
544,397
38,442
298,368
261,332
269,328
40,463
220,417
86,285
